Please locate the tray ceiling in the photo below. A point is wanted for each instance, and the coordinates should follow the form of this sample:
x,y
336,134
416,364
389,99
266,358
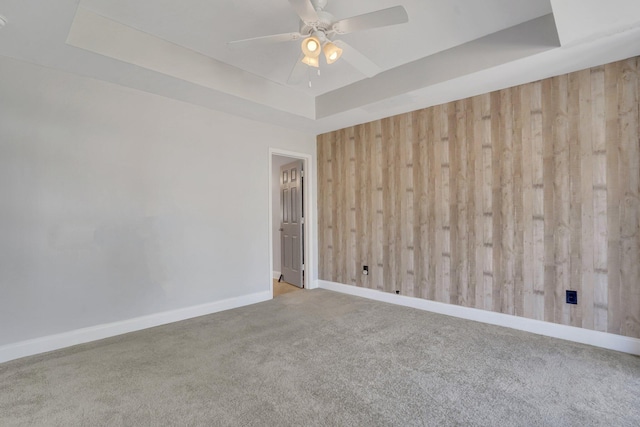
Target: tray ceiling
x,y
448,49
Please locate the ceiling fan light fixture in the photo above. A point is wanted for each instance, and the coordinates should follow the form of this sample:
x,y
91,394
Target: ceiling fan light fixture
x,y
331,52
311,47
311,61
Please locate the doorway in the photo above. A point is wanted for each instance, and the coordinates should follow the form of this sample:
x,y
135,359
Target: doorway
x,y
289,215
291,223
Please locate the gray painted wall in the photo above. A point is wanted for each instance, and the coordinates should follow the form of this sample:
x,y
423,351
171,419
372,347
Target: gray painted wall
x,y
116,203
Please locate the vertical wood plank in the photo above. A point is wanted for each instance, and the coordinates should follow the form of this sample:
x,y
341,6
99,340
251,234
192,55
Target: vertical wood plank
x,y
631,321
345,200
487,201
421,175
628,304
340,236
389,197
399,195
600,232
472,166
356,205
454,205
334,197
378,269
368,191
406,273
497,122
350,198
445,206
561,199
537,129
507,214
478,150
517,205
575,199
336,207
361,202
548,118
439,237
459,212
419,208
586,298
322,221
329,208
613,75
432,203
528,212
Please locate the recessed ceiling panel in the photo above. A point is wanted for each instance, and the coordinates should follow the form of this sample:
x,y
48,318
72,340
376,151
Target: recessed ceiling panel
x,y
207,26
103,36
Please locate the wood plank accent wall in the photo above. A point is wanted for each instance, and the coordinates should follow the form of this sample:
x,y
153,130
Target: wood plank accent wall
x,y
500,202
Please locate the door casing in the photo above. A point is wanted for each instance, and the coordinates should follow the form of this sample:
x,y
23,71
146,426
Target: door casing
x,y
311,279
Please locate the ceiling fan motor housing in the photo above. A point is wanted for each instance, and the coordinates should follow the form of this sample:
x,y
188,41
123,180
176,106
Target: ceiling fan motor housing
x,y
324,24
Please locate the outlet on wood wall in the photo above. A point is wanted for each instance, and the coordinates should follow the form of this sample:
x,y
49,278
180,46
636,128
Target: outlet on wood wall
x,y
500,202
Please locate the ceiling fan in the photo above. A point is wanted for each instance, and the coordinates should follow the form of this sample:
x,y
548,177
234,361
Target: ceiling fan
x,y
318,31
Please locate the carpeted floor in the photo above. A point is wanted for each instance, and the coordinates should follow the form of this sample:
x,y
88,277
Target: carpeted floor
x,y
281,288
323,358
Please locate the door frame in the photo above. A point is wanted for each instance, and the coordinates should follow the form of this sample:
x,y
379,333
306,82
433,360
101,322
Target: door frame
x,y
310,281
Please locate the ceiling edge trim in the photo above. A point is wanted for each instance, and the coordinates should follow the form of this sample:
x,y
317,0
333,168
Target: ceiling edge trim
x,y
514,43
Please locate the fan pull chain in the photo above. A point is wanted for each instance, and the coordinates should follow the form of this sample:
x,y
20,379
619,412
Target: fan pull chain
x,y
309,75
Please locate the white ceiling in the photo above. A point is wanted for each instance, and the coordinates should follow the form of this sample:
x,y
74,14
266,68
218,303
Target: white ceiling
x,y
207,26
449,49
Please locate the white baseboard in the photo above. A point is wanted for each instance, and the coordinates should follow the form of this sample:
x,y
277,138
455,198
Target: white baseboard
x,y
569,333
276,274
93,333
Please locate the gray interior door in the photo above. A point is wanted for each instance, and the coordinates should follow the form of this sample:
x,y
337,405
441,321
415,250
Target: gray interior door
x,y
292,220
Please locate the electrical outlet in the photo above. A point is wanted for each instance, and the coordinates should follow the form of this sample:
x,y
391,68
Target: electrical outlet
x,y
365,270
572,297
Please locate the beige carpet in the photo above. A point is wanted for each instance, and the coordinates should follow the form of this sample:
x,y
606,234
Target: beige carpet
x,y
281,288
319,358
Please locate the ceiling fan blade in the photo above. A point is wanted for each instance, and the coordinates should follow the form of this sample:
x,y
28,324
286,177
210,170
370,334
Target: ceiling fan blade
x,y
381,18
274,38
305,10
357,59
297,72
